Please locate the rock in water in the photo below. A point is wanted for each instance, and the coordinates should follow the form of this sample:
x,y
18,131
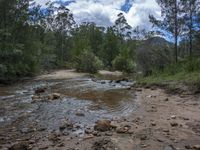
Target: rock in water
x,y
80,114
40,90
103,125
54,96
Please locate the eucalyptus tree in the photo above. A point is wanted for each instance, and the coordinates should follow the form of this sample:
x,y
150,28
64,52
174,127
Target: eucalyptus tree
x,y
60,21
122,27
171,21
190,9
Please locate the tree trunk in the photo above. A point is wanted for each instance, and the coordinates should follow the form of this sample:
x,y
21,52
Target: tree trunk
x,y
5,27
176,33
190,28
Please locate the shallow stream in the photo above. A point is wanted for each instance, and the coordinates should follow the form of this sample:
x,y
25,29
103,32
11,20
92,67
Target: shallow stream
x,y
93,98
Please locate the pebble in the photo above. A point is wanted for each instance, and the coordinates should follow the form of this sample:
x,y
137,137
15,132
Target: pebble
x,y
166,99
169,148
165,130
88,136
196,147
153,123
144,146
80,114
174,124
173,117
188,147
143,137
108,134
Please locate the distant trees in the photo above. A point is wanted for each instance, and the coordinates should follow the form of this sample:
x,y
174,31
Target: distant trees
x,y
154,54
19,40
190,9
179,18
32,39
170,22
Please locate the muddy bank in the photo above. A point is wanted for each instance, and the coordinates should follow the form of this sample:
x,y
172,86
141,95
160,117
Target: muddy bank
x,y
102,115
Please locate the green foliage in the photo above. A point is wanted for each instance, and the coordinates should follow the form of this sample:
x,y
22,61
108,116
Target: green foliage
x,y
187,71
32,40
125,60
123,64
88,62
111,47
154,54
192,65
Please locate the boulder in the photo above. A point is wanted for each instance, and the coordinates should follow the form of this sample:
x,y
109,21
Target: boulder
x,y
196,147
66,124
40,90
103,125
123,129
54,96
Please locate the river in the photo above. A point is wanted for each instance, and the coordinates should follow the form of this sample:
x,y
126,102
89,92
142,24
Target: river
x,y
91,98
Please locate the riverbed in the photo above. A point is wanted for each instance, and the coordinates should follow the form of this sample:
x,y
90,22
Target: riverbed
x,y
146,118
80,94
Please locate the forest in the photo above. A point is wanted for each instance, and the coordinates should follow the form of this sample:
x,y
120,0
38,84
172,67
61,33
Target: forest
x,y
35,39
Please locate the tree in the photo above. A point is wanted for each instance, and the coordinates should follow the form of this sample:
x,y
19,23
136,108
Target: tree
x,y
60,20
190,10
122,27
111,47
171,21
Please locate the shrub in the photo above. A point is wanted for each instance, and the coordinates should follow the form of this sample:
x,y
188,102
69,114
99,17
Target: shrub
x,y
192,65
3,70
88,62
123,64
154,54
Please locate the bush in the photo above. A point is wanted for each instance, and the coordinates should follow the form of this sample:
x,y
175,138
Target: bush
x,y
88,62
3,70
123,64
154,54
192,65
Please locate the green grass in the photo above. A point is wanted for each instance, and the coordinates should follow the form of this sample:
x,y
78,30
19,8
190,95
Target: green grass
x,y
186,71
181,77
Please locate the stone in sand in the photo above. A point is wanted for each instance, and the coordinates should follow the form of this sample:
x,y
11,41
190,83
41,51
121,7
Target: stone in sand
x,y
103,125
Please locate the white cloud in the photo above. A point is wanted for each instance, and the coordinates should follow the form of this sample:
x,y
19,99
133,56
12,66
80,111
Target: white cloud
x,y
139,13
104,12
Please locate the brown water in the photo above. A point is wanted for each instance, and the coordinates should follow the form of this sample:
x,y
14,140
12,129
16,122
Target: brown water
x,y
95,98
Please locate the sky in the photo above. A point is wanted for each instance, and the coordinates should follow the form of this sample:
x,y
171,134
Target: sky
x,y
104,12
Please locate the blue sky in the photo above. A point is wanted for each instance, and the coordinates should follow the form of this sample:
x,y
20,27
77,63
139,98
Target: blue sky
x,y
104,12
